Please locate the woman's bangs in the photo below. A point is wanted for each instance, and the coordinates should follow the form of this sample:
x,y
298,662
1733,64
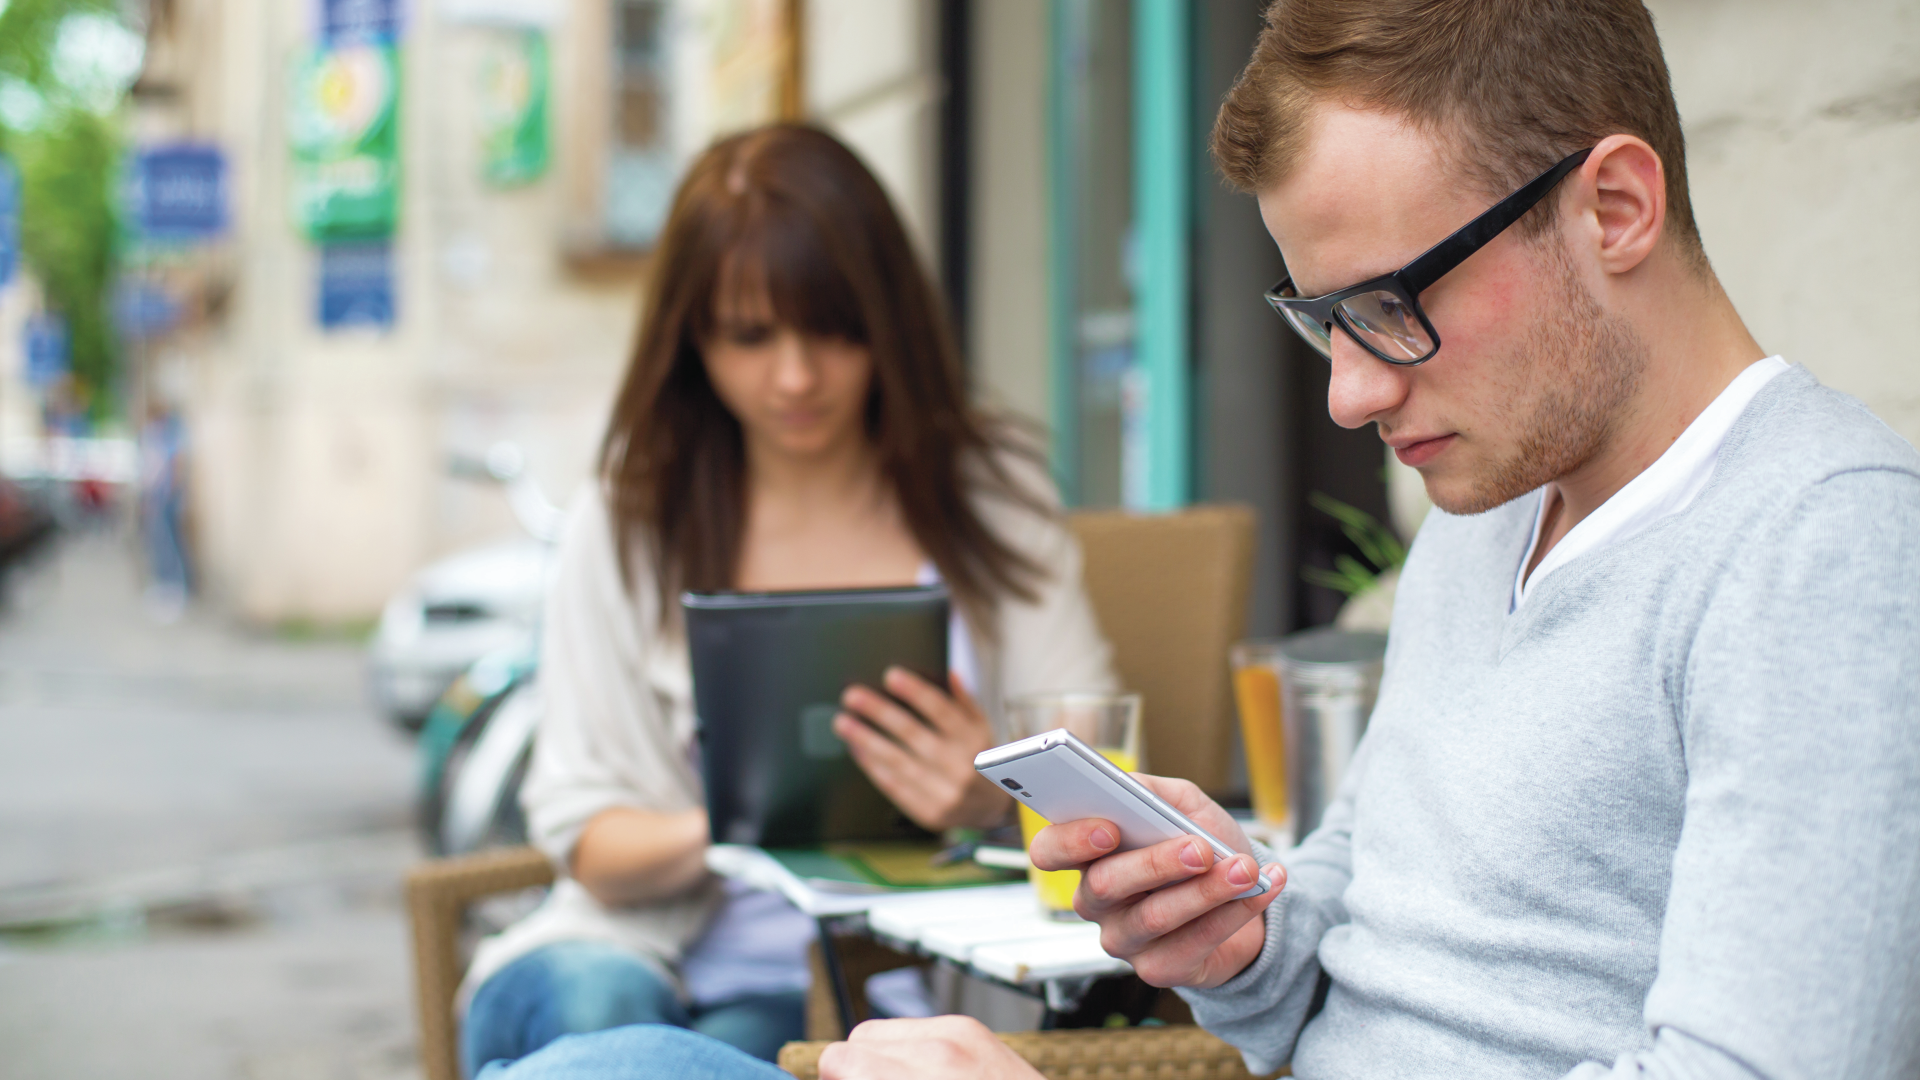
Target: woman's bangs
x,y
784,258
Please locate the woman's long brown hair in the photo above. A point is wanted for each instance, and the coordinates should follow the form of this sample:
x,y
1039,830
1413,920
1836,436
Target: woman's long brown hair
x,y
792,209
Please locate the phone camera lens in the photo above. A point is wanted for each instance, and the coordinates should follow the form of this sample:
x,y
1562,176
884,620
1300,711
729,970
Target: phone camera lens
x,y
1012,784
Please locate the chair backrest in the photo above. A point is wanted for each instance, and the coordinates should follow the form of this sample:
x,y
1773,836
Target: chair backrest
x,y
1170,591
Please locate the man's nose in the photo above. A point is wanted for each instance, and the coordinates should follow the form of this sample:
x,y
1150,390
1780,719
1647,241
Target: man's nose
x,y
1364,387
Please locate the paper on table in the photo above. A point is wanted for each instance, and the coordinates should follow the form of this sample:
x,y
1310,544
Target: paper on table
x,y
820,884
867,867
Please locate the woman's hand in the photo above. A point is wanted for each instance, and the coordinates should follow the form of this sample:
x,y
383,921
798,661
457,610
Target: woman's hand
x,y
627,855
940,1048
926,768
1169,909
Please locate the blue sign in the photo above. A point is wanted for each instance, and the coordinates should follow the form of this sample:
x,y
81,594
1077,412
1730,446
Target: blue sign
x,y
179,193
348,21
356,285
48,353
143,310
9,220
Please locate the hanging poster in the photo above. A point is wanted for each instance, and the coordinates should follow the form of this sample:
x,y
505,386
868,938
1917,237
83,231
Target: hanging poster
x,y
178,194
344,130
143,310
513,109
9,220
343,21
356,285
49,349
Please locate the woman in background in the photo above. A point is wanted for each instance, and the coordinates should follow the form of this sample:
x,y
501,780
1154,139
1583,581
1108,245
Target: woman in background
x,y
794,417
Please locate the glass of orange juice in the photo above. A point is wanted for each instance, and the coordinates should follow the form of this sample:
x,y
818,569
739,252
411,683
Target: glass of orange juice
x,y
1110,723
1256,689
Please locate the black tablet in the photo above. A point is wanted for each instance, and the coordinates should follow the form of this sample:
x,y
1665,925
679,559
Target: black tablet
x,y
768,671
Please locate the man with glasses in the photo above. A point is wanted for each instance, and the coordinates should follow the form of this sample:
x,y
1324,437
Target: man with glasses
x,y
1641,794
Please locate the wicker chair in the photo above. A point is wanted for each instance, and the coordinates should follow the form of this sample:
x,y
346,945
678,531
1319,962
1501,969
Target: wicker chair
x,y
1166,1053
1170,592
439,891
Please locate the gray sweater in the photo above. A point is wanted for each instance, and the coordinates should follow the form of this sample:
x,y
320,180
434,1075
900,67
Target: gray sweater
x,y
1662,820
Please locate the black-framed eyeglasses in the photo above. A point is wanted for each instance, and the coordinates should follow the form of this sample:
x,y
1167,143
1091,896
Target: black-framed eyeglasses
x,y
1383,314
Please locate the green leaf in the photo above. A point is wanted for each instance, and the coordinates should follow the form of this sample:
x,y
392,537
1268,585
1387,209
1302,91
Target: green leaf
x,y
1377,544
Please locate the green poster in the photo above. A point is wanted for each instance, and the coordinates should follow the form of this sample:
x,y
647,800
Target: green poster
x,y
513,110
344,131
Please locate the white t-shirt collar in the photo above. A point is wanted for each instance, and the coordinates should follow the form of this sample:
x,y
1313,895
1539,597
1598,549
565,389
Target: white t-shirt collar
x,y
1664,488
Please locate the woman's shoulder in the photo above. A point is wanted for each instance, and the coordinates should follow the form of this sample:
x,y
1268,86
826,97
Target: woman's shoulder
x,y
589,554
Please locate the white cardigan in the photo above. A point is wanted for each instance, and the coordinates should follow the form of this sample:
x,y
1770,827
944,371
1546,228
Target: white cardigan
x,y
619,728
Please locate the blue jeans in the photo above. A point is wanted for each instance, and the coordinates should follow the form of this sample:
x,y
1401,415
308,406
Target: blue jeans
x,y
576,987
640,1052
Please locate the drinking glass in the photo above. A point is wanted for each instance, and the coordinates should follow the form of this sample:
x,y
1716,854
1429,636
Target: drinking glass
x,y
1256,690
1109,723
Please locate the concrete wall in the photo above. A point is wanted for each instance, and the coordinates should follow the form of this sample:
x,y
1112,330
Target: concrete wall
x,y
1008,332
1803,145
872,79
319,479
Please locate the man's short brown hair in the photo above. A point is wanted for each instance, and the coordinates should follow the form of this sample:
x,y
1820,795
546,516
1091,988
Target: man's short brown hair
x,y
1513,86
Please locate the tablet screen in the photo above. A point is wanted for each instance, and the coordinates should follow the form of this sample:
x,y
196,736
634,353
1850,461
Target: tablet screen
x,y
768,672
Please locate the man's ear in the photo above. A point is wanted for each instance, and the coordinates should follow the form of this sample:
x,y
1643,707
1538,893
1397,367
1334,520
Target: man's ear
x,y
1623,195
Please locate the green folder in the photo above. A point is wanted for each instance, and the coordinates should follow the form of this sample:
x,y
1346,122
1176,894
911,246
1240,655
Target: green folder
x,y
886,865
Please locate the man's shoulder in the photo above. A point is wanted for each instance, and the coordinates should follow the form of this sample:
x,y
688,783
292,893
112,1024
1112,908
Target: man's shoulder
x,y
1798,433
1809,475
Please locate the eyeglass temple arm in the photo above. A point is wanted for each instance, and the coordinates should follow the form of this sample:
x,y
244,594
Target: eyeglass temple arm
x,y
1442,257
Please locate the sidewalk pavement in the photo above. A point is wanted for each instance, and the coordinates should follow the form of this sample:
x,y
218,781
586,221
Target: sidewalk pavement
x,y
202,832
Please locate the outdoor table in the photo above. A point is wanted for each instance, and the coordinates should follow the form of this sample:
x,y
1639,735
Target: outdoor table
x,y
999,933
993,932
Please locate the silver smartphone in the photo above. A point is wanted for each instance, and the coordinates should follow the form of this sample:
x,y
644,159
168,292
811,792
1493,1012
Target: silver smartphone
x,y
1064,779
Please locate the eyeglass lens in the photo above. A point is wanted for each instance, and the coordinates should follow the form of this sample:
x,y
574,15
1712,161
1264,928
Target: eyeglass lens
x,y
1388,324
1317,334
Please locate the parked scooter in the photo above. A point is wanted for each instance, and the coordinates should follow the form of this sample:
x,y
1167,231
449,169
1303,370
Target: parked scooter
x,y
468,605
466,630
474,752
26,528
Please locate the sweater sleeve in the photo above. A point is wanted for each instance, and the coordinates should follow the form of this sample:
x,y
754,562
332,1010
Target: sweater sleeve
x,y
1791,943
1261,1010
606,736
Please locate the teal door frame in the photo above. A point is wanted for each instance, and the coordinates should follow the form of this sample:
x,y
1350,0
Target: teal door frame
x,y
1163,229
1162,184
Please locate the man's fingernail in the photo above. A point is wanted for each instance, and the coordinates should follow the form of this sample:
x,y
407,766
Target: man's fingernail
x,y
1241,872
1100,838
1190,856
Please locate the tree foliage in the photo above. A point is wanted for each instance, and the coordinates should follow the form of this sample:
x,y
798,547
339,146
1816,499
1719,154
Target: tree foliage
x,y
68,153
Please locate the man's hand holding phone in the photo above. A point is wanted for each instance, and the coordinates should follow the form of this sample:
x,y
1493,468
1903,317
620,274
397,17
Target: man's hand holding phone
x,y
1169,909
